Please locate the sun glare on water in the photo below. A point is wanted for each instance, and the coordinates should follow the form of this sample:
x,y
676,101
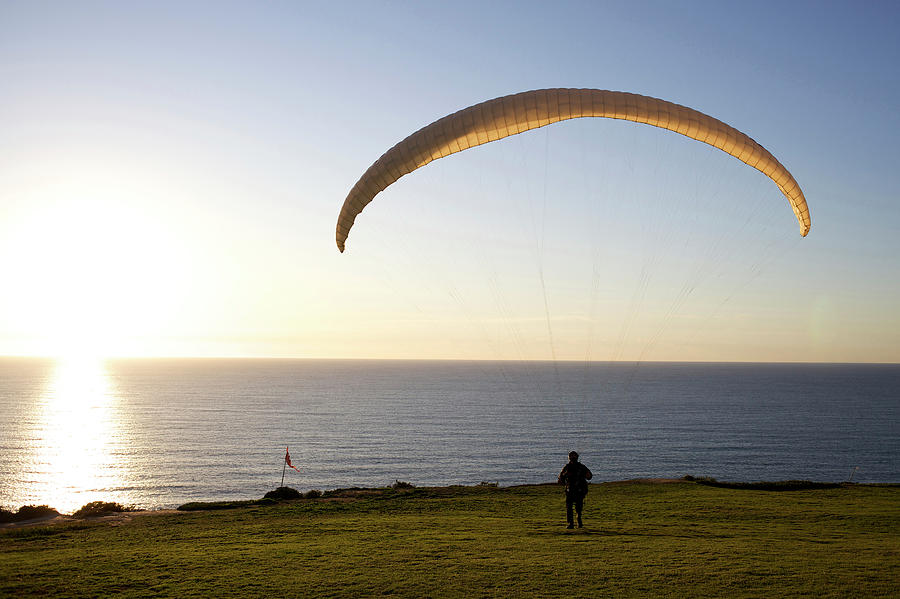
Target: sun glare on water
x,y
75,454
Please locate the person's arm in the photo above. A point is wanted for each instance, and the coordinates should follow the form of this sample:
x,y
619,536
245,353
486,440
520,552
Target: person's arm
x,y
587,473
561,478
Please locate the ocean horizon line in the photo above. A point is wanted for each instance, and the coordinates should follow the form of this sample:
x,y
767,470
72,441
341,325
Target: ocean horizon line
x,y
441,360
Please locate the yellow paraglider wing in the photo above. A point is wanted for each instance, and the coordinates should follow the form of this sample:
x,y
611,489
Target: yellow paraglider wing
x,y
509,115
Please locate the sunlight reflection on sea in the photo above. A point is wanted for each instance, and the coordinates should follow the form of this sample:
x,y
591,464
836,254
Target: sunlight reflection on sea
x,y
74,439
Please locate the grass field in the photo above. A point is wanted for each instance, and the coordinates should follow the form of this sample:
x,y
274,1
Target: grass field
x,y
640,539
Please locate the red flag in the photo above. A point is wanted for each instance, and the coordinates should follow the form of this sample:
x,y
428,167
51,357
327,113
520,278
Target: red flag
x,y
287,459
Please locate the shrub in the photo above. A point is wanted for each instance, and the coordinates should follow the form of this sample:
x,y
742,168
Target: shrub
x,y
485,483
102,508
283,493
706,480
781,485
6,515
28,512
194,506
399,484
313,494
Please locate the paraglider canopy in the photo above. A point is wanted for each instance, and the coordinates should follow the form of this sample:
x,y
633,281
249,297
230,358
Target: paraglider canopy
x,y
513,114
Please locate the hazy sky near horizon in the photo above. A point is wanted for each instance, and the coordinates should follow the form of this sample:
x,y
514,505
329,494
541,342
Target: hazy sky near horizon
x,y
171,174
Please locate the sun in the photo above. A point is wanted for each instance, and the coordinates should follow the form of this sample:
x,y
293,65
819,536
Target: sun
x,y
92,275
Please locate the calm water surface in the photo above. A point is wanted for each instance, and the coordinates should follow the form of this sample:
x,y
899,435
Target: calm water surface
x,y
158,433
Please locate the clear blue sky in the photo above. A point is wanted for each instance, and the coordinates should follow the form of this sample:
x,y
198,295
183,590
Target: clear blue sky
x,y
171,174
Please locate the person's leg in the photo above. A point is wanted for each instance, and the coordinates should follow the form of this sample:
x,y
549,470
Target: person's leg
x,y
569,503
579,505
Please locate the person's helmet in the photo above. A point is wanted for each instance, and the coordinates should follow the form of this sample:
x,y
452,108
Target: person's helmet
x,y
573,455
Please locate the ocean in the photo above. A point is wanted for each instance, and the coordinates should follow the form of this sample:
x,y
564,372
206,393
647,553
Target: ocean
x,y
156,433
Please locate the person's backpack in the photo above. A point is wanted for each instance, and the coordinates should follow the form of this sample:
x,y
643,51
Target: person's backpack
x,y
581,483
575,479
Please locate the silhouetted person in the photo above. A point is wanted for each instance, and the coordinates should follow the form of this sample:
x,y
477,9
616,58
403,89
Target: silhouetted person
x,y
575,476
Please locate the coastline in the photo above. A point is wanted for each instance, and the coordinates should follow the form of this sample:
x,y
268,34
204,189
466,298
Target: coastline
x,y
117,518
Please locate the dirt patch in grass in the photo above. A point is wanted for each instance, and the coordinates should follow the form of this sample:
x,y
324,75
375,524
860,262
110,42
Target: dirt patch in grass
x,y
114,519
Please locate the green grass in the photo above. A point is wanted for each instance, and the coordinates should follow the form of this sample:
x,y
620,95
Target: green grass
x,y
677,540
